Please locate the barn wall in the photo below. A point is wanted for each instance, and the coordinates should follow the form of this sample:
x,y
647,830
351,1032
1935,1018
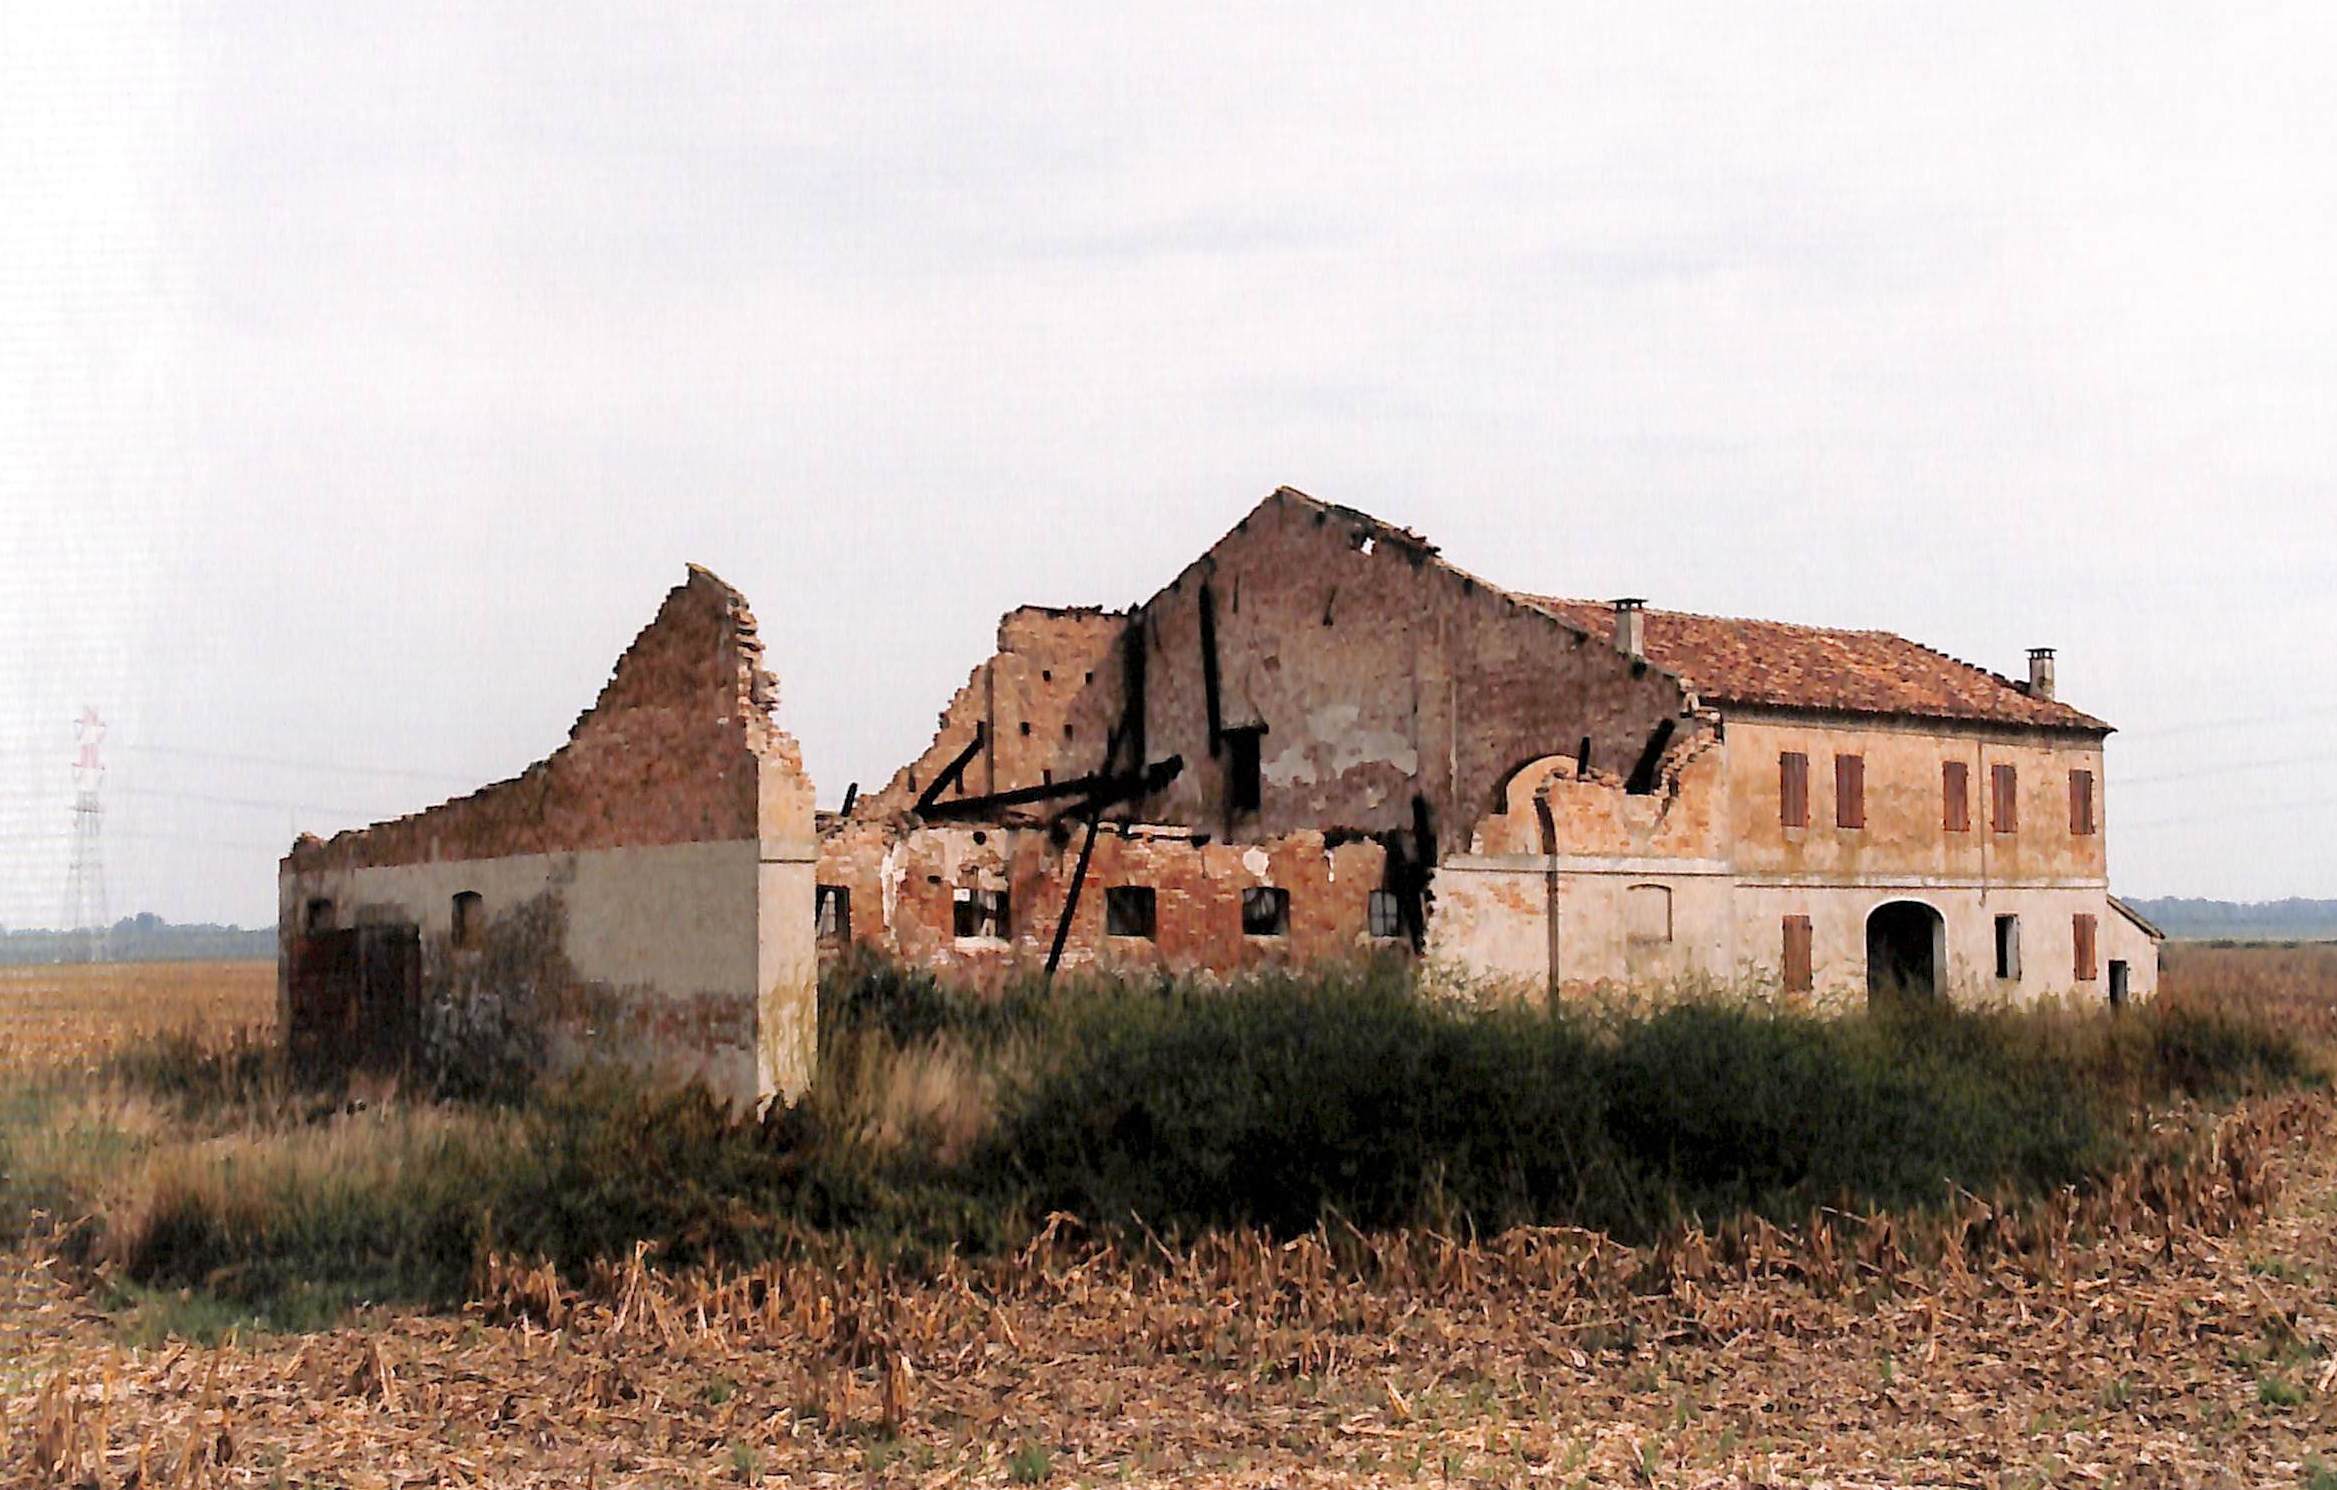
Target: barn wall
x,y
904,885
645,891
1379,673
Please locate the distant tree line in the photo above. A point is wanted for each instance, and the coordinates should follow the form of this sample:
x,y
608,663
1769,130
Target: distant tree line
x,y
145,937
2292,919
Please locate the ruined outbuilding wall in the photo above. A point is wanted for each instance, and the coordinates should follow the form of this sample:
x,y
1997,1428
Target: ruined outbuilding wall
x,y
1579,884
904,884
1044,705
1379,673
643,894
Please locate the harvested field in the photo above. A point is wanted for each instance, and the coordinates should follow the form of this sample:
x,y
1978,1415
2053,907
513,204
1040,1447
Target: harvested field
x,y
2173,1327
73,1014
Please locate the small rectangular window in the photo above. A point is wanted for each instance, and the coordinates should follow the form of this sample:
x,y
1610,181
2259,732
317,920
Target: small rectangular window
x,y
2008,948
1849,791
1385,913
1793,789
2081,803
1799,966
2118,983
2083,931
470,919
2005,803
1129,910
318,916
1244,781
980,913
832,913
1955,796
1265,911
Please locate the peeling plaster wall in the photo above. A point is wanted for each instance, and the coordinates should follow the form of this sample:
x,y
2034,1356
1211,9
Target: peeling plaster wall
x,y
903,892
1904,834
1710,840
1838,919
1379,672
649,953
646,889
1400,698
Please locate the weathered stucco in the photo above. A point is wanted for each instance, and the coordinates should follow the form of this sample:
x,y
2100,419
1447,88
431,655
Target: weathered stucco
x,y
1549,810
904,885
642,895
1318,716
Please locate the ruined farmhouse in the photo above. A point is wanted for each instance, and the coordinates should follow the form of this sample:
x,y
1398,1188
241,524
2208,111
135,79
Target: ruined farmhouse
x,y
1319,738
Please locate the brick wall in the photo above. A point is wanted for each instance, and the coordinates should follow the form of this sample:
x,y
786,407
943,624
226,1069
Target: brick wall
x,y
669,753
1046,700
1378,672
904,885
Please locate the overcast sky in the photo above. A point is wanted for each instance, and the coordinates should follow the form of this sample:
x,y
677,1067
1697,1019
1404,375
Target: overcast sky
x,y
364,384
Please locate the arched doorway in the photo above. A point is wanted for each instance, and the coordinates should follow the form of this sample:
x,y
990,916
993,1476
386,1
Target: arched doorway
x,y
1906,942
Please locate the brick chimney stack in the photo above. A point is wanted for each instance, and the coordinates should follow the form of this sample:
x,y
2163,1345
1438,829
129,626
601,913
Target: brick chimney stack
x,y
2040,672
1631,627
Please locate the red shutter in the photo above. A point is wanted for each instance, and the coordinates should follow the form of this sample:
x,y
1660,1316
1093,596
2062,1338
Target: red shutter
x,y
1797,954
2005,787
1793,789
1850,791
1955,796
2082,932
2081,802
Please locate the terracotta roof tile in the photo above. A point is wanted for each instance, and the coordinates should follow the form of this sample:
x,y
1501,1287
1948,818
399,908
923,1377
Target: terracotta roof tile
x,y
1782,665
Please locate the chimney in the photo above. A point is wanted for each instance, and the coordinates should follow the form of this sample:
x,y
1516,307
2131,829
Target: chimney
x,y
1631,627
2040,672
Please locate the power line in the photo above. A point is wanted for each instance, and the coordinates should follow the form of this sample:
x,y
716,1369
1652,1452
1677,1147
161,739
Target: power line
x,y
280,762
292,764
2260,809
2199,726
2231,768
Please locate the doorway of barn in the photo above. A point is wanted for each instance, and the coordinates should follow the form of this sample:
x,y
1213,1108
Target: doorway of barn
x,y
1906,943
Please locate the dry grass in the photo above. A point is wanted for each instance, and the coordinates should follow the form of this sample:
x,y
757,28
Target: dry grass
x,y
2173,1327
2190,1346
2291,985
935,1092
71,1015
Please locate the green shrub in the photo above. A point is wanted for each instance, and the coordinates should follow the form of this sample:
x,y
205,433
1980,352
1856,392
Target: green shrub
x,y
943,1120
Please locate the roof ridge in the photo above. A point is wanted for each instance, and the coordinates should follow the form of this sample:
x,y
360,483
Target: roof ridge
x,y
1699,615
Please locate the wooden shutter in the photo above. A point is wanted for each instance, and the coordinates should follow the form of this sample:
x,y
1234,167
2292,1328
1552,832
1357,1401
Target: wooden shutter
x,y
1793,789
2081,802
1955,796
1849,791
2005,790
1797,954
2083,932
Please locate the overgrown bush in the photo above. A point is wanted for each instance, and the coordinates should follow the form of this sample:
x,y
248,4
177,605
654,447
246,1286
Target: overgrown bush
x,y
944,1120
1281,1100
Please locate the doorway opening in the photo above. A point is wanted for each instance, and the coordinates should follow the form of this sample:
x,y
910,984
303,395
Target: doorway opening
x,y
1905,945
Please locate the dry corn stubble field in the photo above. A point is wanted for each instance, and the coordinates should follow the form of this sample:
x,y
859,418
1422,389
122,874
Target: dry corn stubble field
x,y
2176,1329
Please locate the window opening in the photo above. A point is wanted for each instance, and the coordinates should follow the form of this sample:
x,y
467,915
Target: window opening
x,y
1245,783
832,913
1130,910
470,919
1265,911
981,913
